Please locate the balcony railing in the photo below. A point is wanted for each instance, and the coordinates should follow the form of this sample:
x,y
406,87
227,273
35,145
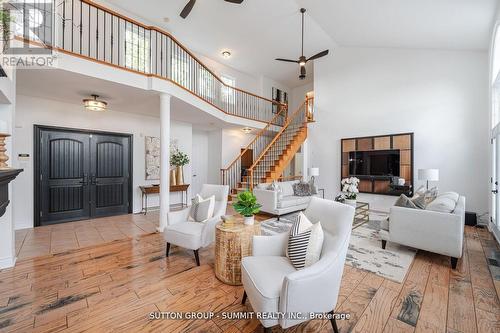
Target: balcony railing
x,y
97,33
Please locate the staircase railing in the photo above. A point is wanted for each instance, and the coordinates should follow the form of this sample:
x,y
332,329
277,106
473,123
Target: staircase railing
x,y
94,32
234,174
296,120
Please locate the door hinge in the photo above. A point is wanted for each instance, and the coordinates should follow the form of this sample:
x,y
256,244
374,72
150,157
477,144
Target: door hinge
x,y
41,177
41,213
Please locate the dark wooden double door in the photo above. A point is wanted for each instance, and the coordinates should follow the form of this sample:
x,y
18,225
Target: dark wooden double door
x,y
81,175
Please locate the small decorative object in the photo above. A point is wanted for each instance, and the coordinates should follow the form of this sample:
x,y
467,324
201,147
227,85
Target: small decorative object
x,y
428,175
3,156
173,179
340,198
350,190
228,220
247,206
178,159
401,181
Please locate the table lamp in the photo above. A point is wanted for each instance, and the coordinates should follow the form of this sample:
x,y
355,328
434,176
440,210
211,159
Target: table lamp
x,y
428,175
314,172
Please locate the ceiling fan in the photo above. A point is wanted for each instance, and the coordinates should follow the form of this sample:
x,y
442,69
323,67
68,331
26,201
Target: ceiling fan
x,y
303,60
187,9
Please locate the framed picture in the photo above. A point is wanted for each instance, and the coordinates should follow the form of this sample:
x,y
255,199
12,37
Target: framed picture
x,y
279,96
152,157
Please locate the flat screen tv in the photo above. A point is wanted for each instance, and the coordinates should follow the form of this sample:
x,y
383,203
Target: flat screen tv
x,y
374,163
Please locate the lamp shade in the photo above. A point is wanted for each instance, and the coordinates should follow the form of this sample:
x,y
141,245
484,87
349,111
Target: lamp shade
x,y
428,174
314,172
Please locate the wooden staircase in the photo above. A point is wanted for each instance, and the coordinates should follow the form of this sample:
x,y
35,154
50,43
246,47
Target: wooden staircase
x,y
274,157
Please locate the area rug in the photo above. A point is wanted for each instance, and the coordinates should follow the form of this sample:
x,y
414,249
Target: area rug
x,y
365,250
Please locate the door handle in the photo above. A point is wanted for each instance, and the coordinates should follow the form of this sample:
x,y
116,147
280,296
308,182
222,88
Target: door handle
x,y
494,191
84,181
93,180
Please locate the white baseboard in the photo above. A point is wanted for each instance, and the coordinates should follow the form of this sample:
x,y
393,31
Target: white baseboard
x,y
7,262
494,230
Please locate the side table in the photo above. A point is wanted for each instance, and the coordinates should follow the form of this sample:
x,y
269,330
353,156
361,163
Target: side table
x,y
232,243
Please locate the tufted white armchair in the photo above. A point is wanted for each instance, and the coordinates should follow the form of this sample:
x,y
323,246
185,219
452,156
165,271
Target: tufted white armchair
x,y
195,235
273,285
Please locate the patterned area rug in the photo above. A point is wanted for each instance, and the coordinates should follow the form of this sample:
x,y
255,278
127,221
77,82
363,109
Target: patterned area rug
x,y
365,250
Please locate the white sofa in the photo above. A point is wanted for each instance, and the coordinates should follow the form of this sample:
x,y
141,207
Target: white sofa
x,y
273,285
195,235
288,203
439,231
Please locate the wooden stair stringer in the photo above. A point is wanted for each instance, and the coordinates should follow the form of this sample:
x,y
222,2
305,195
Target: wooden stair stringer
x,y
286,157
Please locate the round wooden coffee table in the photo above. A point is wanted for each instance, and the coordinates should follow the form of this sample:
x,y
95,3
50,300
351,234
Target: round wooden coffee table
x,y
233,242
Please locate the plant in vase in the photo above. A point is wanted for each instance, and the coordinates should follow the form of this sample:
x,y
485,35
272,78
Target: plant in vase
x,y
178,159
350,190
247,206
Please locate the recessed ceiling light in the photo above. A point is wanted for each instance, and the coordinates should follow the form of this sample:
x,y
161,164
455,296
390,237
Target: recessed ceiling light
x,y
93,104
226,54
246,129
166,19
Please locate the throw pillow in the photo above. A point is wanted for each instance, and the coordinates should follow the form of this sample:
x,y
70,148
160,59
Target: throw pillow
x,y
419,201
404,201
301,189
313,187
305,242
202,209
273,186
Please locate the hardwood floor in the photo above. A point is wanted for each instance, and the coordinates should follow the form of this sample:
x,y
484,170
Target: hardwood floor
x,y
114,285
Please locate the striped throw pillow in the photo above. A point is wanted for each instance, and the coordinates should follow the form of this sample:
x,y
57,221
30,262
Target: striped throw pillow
x,y
304,242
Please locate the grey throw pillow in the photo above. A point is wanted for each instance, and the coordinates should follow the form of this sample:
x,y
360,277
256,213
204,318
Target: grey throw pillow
x,y
202,209
419,201
301,189
404,201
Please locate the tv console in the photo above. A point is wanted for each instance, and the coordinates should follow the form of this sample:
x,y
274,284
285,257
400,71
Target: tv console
x,y
381,184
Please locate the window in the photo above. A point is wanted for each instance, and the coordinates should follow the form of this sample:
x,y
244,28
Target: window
x,y
227,93
495,79
137,48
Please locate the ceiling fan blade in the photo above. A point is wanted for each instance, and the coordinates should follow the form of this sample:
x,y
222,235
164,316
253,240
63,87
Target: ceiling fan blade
x,y
234,1
187,9
287,60
319,55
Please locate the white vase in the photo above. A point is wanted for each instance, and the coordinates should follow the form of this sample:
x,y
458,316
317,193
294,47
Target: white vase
x,y
350,202
248,220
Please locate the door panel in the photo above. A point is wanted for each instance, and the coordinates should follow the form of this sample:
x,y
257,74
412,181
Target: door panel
x,y
82,175
109,169
64,177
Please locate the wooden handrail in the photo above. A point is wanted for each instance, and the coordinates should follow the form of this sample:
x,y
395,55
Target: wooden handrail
x,y
261,132
153,28
276,137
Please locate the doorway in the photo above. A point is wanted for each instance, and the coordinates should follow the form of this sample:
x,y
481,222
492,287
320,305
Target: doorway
x,y
81,174
246,162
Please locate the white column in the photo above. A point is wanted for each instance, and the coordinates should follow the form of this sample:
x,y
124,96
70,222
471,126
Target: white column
x,y
165,160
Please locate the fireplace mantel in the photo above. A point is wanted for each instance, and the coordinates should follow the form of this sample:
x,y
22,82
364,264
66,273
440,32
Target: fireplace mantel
x,y
6,176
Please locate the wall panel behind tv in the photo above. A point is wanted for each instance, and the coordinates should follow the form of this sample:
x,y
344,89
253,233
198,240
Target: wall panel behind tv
x,y
381,184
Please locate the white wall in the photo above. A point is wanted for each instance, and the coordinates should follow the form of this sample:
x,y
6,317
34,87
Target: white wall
x,y
232,142
441,96
299,95
31,111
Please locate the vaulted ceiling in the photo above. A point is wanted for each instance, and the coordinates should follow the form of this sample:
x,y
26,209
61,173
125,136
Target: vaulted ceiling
x,y
257,31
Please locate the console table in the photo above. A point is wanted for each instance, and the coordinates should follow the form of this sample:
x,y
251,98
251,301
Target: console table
x,y
155,189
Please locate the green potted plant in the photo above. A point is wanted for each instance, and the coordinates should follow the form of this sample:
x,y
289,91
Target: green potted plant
x,y
247,206
179,159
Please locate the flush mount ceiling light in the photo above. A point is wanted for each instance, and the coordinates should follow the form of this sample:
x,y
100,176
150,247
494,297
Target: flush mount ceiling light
x,y
246,129
226,54
93,104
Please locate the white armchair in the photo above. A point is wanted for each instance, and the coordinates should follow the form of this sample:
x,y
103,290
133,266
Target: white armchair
x,y
195,235
273,285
